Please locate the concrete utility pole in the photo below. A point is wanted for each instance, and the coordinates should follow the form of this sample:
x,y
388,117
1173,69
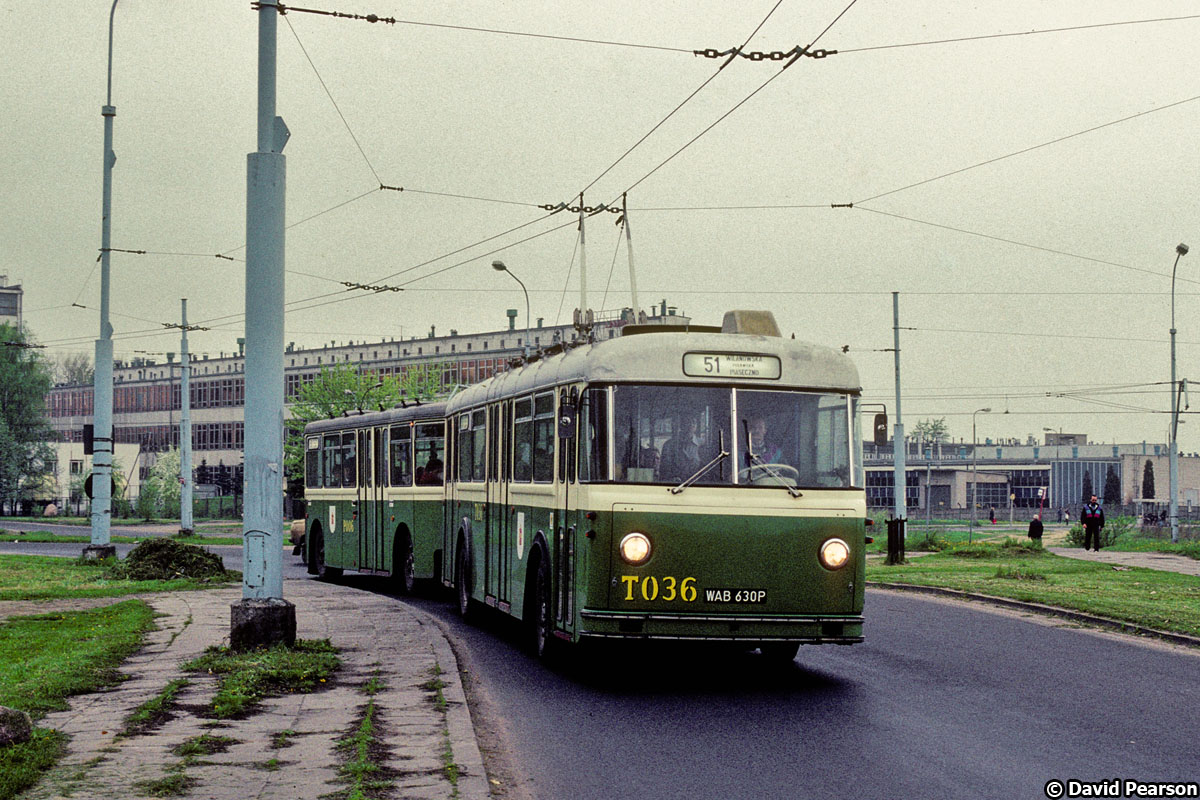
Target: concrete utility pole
x,y
263,617
629,249
1180,251
185,430
102,388
898,448
974,493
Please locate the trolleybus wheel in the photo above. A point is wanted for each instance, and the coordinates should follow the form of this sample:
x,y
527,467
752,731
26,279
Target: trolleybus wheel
x,y
543,638
324,572
404,574
462,573
781,653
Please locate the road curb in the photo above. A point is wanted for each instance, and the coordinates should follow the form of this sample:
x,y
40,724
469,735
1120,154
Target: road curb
x,y
472,777
1040,608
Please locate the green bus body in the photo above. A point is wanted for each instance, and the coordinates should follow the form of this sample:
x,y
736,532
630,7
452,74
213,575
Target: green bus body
x,y
550,466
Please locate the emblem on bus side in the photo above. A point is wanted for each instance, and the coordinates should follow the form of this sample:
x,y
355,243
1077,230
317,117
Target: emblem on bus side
x,y
520,535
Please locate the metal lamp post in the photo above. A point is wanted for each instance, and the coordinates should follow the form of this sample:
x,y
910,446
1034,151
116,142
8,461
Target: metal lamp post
x,y
102,389
1180,251
500,266
974,471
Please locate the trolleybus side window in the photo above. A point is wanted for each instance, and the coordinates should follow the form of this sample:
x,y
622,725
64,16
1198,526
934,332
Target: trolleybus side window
x,y
543,438
593,436
462,447
401,455
331,446
523,440
312,463
349,459
478,444
430,448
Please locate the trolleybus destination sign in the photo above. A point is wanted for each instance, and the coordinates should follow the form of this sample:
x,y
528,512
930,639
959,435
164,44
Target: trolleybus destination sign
x,y
731,365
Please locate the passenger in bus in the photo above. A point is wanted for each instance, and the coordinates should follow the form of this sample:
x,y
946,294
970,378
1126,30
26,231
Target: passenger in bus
x,y
684,453
431,473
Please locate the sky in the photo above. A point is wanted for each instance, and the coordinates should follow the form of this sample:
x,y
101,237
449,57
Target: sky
x,y
1022,187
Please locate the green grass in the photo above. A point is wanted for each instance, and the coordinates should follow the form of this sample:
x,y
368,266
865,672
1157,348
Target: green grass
x,y
45,659
246,678
1152,598
154,711
1147,544
51,578
174,784
204,745
21,765
68,538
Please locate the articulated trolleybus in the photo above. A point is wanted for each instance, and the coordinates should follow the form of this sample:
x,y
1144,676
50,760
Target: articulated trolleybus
x,y
681,484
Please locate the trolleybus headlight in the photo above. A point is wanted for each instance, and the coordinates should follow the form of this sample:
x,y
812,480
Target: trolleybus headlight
x,y
635,548
834,554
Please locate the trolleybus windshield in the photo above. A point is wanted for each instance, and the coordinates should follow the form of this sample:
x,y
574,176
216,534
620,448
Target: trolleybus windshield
x,y
664,434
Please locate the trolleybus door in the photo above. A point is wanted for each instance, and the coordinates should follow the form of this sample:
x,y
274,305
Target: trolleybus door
x,y
364,514
565,528
379,459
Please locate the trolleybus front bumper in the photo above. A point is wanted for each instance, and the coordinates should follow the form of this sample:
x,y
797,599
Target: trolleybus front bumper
x,y
825,629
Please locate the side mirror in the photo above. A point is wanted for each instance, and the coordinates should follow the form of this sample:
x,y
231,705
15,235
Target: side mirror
x,y
881,434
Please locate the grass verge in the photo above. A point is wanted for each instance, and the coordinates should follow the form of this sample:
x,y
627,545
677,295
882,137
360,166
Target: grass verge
x,y
1156,599
154,712
68,538
44,659
246,678
52,578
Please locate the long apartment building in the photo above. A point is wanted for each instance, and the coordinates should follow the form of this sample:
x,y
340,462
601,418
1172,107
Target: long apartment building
x,y
146,393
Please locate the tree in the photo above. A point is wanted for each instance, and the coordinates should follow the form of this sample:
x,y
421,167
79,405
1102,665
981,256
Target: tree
x,y
25,456
73,369
163,483
931,430
1148,480
1087,487
422,381
335,391
1112,487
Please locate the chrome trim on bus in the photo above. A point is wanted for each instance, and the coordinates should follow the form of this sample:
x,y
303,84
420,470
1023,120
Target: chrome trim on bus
x,y
742,639
652,617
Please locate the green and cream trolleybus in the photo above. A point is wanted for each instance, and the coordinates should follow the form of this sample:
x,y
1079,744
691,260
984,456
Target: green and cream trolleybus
x,y
684,484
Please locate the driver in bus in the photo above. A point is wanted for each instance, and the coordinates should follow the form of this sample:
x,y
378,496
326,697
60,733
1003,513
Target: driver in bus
x,y
761,445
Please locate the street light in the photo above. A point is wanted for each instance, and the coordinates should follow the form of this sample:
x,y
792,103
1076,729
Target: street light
x,y
974,470
1180,251
102,387
500,266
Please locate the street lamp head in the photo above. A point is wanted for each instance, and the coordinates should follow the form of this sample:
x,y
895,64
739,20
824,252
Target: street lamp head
x,y
1181,248
499,266
984,411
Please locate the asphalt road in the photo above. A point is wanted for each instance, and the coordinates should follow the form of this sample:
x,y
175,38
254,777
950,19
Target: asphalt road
x,y
944,700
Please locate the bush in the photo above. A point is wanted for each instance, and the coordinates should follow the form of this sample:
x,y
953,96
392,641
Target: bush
x,y
1113,529
164,559
1006,549
928,542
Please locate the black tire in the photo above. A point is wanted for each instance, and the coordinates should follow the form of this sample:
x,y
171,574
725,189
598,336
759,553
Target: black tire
x,y
462,583
323,572
541,640
780,653
404,575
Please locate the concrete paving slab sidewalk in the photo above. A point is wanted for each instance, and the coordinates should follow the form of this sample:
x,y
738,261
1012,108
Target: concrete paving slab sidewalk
x,y
288,748
1168,562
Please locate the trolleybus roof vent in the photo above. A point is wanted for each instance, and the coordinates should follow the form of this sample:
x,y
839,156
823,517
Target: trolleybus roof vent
x,y
757,323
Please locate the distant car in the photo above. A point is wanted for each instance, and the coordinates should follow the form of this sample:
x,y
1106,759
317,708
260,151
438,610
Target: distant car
x,y
297,535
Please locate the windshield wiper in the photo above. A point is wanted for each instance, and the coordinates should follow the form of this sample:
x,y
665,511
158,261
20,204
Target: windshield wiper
x,y
774,473
698,473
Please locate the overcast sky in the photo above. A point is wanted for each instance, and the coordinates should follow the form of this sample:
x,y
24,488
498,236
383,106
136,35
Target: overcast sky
x,y
1025,275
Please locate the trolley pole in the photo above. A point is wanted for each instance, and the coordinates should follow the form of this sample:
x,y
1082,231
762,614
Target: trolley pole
x,y
102,388
582,264
898,454
263,617
629,249
185,429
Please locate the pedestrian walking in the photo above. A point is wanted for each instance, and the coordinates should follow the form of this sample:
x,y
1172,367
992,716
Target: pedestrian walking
x,y
1092,518
1035,529
993,514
